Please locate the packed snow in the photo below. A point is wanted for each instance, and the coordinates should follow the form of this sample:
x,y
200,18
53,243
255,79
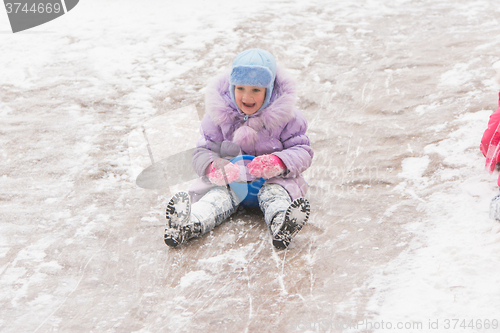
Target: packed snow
x,y
397,95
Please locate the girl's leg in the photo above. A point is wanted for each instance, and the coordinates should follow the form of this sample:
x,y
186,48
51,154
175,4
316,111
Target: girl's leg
x,y
185,221
273,201
284,217
214,207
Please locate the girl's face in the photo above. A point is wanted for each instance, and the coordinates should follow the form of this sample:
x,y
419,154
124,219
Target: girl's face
x,y
249,99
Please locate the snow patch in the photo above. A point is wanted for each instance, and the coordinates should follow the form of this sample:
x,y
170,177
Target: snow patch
x,y
414,167
451,269
456,77
193,277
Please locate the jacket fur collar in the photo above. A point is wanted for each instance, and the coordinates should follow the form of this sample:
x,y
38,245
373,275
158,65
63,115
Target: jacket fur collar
x,y
278,113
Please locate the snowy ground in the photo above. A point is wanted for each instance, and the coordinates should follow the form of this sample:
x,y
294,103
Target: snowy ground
x,y
397,95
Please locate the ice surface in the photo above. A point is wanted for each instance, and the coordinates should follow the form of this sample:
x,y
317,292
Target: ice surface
x,y
397,95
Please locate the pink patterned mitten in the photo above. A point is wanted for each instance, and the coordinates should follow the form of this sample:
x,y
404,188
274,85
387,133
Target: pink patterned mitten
x,y
216,176
266,166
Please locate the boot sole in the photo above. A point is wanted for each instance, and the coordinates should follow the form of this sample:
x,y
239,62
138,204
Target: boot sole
x,y
177,212
296,216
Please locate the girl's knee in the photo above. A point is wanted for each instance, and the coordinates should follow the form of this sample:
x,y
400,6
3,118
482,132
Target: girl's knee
x,y
273,190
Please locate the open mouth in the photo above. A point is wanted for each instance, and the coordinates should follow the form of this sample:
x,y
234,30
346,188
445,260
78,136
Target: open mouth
x,y
249,106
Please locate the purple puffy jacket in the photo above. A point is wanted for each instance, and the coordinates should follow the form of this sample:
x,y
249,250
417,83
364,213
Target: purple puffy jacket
x,y
278,129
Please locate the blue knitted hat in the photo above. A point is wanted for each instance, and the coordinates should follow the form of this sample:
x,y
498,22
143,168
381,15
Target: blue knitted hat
x,y
253,67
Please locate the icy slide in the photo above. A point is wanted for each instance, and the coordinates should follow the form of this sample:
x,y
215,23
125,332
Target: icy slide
x,y
396,93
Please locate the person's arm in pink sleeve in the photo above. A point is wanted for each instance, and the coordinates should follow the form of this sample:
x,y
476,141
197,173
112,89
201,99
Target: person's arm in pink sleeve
x,y
488,133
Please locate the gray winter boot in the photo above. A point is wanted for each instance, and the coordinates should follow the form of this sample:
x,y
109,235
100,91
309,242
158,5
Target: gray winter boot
x,y
179,227
284,228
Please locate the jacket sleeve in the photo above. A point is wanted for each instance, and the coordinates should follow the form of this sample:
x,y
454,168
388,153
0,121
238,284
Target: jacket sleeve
x,y
297,154
488,133
208,145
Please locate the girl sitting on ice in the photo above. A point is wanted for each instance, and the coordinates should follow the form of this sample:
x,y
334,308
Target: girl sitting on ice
x,y
250,111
